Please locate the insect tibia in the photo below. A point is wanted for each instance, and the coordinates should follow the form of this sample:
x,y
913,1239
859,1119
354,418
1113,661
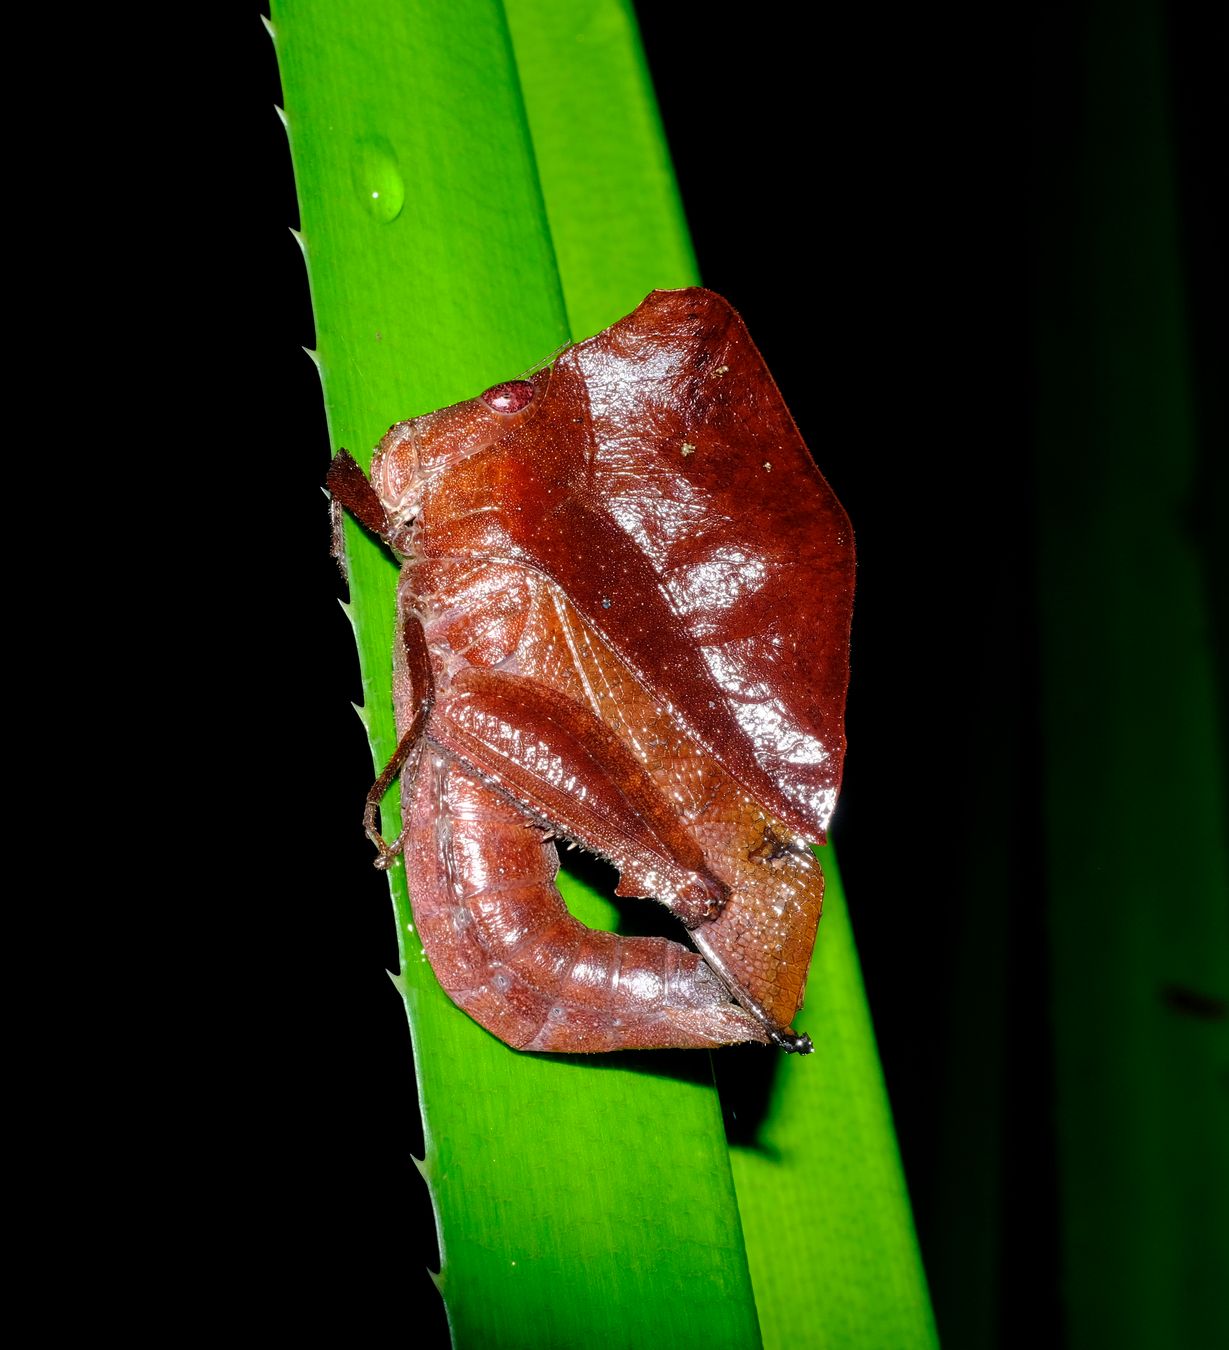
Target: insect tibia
x,y
337,532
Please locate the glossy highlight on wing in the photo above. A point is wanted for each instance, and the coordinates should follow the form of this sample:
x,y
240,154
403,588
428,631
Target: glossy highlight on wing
x,y
662,483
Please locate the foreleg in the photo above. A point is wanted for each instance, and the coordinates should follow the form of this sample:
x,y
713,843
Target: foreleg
x,y
414,696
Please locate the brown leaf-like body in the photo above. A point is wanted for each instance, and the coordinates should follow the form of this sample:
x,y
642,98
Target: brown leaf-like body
x,y
635,591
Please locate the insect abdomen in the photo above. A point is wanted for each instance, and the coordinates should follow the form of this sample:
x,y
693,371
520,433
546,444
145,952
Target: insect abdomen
x,y
506,949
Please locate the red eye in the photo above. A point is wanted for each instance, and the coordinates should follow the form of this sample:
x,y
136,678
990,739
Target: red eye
x,y
509,397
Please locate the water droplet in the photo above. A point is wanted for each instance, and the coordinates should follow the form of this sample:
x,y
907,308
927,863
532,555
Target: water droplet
x,y
377,179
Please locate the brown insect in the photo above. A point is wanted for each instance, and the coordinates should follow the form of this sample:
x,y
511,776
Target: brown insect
x,y
623,621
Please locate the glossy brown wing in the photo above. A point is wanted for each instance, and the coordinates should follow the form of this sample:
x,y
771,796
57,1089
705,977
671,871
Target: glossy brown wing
x,y
662,483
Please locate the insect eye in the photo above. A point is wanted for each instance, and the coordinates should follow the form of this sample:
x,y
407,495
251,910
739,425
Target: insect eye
x,y
509,397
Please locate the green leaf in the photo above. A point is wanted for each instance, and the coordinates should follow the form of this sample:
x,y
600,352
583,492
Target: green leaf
x,y
824,1207
476,188
1135,805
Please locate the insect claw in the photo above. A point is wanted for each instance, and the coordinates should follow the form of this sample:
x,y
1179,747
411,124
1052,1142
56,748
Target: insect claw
x,y
386,854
